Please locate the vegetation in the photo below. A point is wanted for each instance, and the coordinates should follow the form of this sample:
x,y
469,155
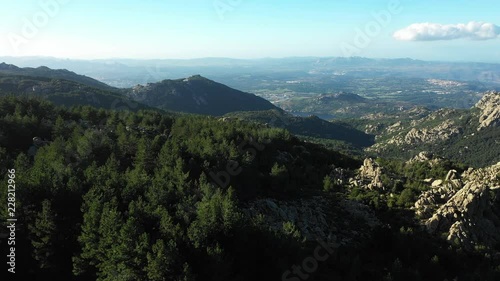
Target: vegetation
x,y
403,182
312,127
121,195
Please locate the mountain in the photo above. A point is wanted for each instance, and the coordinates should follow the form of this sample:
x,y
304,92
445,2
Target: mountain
x,y
65,92
339,105
196,94
45,72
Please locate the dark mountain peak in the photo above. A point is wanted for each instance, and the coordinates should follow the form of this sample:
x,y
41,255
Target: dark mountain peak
x,y
197,77
197,94
6,66
57,71
313,117
182,81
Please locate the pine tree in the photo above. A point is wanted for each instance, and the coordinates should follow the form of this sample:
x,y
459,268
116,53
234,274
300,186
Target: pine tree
x,y
60,129
161,261
43,234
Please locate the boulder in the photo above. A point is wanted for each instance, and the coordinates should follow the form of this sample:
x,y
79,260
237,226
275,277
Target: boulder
x,y
452,174
437,183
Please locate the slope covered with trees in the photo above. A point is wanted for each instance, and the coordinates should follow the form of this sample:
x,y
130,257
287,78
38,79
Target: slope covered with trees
x,y
311,126
118,195
143,196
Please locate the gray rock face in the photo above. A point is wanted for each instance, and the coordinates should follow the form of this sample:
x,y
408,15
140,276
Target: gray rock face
x,y
425,156
490,110
430,200
466,209
468,218
370,174
422,157
489,176
441,132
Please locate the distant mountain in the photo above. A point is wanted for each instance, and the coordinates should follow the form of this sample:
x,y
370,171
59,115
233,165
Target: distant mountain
x,y
250,74
196,94
340,105
311,126
45,72
346,97
64,92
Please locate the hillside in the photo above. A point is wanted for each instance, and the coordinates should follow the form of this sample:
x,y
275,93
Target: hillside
x,y
311,126
65,92
45,72
340,105
198,95
471,135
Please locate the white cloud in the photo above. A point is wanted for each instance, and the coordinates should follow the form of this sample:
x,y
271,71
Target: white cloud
x,y
435,31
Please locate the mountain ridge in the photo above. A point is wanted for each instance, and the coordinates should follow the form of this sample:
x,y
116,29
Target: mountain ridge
x,y
46,72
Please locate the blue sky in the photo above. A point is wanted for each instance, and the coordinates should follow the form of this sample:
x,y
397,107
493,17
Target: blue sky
x,y
244,28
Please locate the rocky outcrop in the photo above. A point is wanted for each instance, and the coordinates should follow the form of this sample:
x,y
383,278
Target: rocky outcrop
x,y
439,194
490,110
370,174
441,132
489,176
315,219
373,129
394,127
464,207
420,134
468,218
426,156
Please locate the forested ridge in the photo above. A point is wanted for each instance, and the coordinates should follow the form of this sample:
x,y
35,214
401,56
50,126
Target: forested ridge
x,y
129,196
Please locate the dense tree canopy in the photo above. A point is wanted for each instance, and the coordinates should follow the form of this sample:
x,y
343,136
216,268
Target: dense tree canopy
x,y
116,195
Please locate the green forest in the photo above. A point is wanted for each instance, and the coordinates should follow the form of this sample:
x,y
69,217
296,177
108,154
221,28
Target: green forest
x,y
148,195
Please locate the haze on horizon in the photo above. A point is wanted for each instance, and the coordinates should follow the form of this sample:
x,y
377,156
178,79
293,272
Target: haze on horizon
x,y
447,30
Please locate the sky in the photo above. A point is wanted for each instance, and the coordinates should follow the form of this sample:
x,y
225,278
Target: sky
x,y
444,30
